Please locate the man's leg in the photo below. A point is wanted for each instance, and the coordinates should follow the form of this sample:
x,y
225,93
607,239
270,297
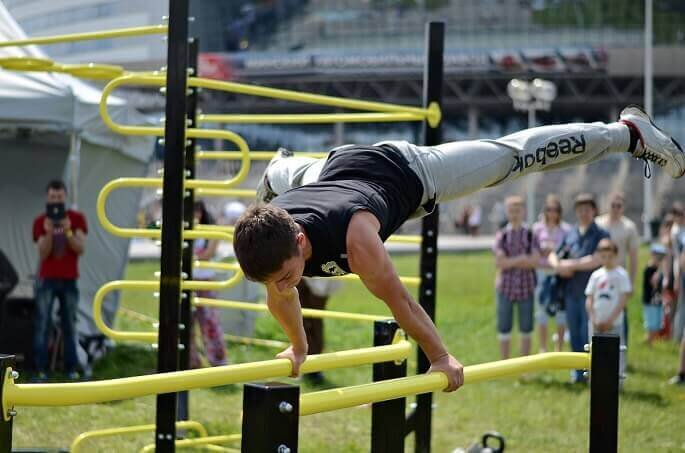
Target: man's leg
x,y
505,315
44,295
576,319
68,300
285,172
525,309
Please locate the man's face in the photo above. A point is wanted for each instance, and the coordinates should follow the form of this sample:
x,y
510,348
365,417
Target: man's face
x,y
585,213
57,196
515,212
607,257
290,273
616,207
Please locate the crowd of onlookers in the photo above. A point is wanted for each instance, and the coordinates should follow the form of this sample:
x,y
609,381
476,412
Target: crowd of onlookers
x,y
582,276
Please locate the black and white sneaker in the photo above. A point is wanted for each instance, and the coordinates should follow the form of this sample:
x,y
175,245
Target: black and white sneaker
x,y
264,191
654,145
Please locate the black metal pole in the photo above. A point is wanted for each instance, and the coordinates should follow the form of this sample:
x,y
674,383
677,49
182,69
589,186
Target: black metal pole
x,y
387,418
421,418
271,414
6,361
604,383
186,333
172,217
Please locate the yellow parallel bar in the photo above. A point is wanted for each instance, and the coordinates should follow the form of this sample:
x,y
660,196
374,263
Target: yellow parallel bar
x,y
306,312
226,193
330,400
256,341
188,443
108,34
254,155
309,118
109,432
70,394
432,114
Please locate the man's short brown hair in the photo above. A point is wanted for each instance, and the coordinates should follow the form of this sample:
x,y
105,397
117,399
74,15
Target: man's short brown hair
x,y
264,238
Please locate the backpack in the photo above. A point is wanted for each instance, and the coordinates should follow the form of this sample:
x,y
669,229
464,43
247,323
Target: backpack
x,y
8,276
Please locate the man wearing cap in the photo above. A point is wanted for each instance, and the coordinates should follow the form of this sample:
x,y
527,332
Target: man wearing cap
x,y
575,260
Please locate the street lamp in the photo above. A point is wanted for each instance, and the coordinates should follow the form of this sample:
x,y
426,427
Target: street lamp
x,y
530,97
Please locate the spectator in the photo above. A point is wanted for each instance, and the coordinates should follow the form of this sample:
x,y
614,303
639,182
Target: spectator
x,y
669,298
314,293
206,318
60,235
474,220
607,292
623,233
516,255
574,260
652,292
549,233
679,379
678,247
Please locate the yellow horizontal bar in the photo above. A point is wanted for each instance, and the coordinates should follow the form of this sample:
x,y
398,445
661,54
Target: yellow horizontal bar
x,y
187,443
256,341
306,312
254,155
330,400
226,193
405,239
309,118
107,34
109,432
71,394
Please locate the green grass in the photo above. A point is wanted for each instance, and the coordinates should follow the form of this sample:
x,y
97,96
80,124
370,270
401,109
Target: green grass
x,y
538,412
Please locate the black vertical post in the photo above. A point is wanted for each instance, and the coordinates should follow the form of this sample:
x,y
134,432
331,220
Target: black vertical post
x,y
172,217
271,414
6,361
432,93
186,333
604,379
387,418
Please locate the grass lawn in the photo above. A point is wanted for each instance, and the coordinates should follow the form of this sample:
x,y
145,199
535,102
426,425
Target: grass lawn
x,y
538,412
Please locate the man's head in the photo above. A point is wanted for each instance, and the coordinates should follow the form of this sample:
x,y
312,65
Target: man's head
x,y
586,208
678,213
514,206
608,251
56,192
269,246
616,205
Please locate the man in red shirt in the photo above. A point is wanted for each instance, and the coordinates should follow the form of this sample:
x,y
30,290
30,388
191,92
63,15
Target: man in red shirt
x,y
60,235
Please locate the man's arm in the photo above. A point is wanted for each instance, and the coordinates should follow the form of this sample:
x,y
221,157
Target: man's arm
x,y
285,307
45,240
369,259
75,238
618,310
632,264
585,263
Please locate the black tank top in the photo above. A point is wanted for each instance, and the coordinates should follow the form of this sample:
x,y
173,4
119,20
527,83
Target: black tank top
x,y
371,178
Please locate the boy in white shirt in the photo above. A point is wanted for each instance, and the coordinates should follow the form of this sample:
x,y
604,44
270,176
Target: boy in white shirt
x,y
607,292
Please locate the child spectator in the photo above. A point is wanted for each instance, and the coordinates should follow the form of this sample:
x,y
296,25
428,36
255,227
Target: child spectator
x,y
607,292
652,292
516,255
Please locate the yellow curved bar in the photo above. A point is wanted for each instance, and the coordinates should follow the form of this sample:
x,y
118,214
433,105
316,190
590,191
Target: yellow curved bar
x,y
432,114
188,443
27,64
107,34
330,400
309,118
109,432
306,312
71,394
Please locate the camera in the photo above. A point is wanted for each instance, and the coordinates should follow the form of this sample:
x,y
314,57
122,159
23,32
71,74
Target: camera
x,y
55,211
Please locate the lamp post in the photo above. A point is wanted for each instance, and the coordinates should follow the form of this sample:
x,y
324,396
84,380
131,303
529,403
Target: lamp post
x,y
530,97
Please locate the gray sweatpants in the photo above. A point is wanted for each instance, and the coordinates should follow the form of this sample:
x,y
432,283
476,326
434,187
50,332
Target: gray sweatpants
x,y
456,169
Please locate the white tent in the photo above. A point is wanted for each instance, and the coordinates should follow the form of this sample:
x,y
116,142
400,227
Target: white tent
x,y
50,128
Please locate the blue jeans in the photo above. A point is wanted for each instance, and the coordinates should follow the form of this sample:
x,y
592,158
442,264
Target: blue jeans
x,y
66,291
577,321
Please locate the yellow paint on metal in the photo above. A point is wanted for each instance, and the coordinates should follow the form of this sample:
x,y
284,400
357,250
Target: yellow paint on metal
x,y
201,441
330,400
256,341
309,118
71,394
26,64
93,71
254,155
306,312
107,34
124,430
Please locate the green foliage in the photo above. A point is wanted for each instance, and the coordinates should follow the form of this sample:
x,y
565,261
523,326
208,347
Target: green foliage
x,y
536,413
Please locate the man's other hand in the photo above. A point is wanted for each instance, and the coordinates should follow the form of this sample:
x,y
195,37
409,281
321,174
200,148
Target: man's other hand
x,y
48,225
297,358
452,369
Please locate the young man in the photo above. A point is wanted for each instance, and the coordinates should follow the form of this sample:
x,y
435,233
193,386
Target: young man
x,y
341,209
607,292
517,253
60,235
574,261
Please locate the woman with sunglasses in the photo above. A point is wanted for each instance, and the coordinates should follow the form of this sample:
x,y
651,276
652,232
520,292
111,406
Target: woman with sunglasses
x,y
549,232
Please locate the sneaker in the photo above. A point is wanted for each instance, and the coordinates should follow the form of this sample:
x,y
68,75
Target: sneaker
x,y
39,378
678,379
654,144
264,191
73,376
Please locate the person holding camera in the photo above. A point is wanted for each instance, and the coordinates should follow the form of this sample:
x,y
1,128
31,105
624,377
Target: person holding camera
x,y
60,235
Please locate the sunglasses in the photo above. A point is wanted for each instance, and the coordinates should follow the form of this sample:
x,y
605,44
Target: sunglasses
x,y
616,205
550,209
